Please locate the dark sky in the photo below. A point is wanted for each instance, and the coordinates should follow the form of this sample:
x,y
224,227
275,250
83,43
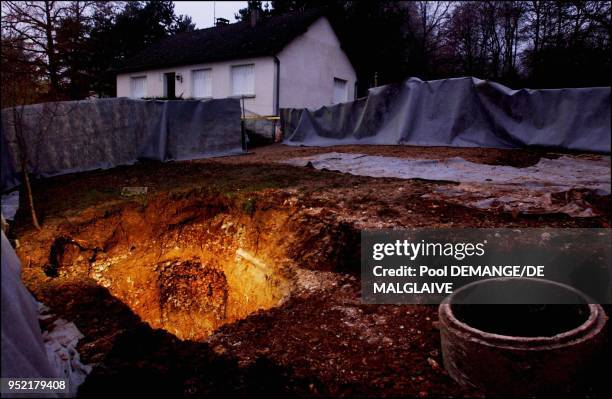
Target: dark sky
x,y
203,12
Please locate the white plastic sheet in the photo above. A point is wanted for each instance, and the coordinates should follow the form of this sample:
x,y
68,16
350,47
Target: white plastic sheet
x,y
28,352
23,351
10,204
61,341
526,190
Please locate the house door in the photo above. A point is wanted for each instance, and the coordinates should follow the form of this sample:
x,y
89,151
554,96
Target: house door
x,y
169,84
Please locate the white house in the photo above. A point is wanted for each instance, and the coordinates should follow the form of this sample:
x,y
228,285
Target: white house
x,y
288,61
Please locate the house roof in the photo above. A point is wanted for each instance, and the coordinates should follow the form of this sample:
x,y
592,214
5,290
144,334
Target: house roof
x,y
221,43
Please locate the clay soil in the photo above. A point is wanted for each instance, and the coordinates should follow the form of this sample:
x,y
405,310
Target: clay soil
x,y
239,276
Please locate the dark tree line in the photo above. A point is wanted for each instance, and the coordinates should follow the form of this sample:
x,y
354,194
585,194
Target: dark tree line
x,y
69,49
538,44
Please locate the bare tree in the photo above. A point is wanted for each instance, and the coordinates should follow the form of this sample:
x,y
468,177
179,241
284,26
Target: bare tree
x,y
28,125
37,22
426,28
19,87
566,41
462,38
18,126
482,38
511,14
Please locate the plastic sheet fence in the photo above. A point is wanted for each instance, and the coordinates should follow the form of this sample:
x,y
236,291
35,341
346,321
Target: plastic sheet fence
x,y
72,136
460,112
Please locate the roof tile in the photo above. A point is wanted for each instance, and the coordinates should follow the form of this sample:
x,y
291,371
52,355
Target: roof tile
x,y
222,43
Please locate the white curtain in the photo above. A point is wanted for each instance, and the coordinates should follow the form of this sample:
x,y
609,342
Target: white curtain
x,y
340,91
202,83
139,87
243,82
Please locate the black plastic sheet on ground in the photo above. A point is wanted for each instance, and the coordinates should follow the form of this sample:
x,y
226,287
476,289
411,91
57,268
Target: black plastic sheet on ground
x,y
73,136
459,112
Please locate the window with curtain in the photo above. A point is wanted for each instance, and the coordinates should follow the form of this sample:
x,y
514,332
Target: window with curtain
x,y
340,91
243,82
139,87
202,83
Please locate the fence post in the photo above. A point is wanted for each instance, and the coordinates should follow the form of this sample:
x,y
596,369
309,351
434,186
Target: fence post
x,y
242,130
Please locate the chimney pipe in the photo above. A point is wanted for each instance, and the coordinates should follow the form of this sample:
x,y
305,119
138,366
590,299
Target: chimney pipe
x,y
254,17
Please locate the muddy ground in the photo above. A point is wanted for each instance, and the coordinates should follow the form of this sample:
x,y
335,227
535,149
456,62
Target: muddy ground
x,y
239,276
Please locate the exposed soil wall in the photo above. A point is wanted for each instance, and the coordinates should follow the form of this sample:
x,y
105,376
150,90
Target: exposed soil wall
x,y
191,262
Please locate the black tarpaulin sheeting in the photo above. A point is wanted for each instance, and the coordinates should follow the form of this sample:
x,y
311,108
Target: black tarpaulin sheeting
x,y
459,112
73,136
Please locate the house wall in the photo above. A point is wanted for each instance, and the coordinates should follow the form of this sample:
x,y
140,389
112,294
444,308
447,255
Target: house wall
x,y
262,103
308,66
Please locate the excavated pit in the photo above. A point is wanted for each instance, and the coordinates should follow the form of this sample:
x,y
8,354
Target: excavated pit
x,y
187,266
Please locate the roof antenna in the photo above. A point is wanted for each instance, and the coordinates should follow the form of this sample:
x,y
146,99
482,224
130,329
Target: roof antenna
x,y
214,12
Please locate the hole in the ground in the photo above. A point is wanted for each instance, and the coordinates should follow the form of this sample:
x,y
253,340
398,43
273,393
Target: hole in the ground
x,y
189,295
191,262
192,296
182,269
